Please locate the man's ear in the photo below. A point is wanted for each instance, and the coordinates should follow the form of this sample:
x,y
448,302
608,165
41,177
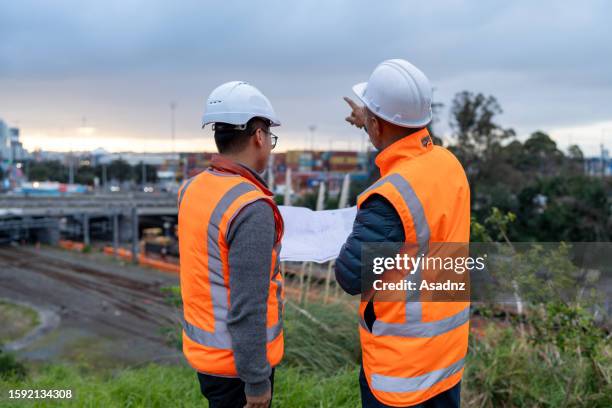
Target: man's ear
x,y
259,138
376,126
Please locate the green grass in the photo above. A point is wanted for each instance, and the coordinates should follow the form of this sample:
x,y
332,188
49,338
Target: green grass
x,y
17,321
171,386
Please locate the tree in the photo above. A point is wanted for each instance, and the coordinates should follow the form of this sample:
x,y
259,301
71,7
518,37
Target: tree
x,y
52,170
85,175
553,199
575,153
119,170
575,164
564,208
472,119
151,174
478,137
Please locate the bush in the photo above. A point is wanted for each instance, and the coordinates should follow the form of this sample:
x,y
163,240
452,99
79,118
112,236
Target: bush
x,y
10,368
506,370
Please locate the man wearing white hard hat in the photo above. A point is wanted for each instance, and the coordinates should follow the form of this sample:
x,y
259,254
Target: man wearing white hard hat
x,y
413,350
229,240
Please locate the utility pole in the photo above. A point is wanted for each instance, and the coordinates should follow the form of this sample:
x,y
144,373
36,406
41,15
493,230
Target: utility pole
x,y
271,172
104,178
321,197
172,125
287,199
346,185
70,169
312,129
185,163
144,174
603,159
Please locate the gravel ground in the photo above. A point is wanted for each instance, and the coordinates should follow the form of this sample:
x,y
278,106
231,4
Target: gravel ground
x,y
110,314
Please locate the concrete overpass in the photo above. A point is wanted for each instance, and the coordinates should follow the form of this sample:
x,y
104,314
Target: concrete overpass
x,y
42,215
94,204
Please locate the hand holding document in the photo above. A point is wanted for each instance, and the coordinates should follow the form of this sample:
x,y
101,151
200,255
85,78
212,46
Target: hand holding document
x,y
315,236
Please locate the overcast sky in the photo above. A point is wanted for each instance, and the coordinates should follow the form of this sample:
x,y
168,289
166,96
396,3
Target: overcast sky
x,y
120,63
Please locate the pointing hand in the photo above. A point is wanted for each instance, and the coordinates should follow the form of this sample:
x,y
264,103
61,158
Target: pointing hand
x,y
357,117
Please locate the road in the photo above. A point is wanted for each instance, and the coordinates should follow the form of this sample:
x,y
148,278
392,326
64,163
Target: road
x,y
110,314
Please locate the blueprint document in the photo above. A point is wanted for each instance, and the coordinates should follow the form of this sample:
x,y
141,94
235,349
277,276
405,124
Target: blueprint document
x,y
315,236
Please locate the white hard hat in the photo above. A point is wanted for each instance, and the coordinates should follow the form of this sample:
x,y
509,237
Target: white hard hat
x,y
397,92
236,103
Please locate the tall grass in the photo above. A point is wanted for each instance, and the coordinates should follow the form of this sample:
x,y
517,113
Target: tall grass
x,y
321,338
504,369
170,386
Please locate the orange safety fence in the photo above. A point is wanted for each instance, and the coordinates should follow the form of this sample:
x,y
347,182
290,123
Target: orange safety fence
x,y
67,244
143,260
124,254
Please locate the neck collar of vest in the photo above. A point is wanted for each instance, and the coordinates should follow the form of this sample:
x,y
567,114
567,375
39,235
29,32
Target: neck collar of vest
x,y
223,164
407,147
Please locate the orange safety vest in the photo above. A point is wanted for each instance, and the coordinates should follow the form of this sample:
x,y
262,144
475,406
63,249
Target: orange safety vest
x,y
207,204
416,349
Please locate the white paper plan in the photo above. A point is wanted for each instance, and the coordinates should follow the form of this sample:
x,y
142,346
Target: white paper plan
x,y
315,236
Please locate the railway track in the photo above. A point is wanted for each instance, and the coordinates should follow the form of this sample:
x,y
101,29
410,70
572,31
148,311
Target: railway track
x,y
104,299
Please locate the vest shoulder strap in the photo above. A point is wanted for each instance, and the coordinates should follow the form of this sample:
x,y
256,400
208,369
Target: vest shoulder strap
x,y
397,190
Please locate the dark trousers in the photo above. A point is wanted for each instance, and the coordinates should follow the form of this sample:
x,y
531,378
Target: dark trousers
x,y
450,398
224,392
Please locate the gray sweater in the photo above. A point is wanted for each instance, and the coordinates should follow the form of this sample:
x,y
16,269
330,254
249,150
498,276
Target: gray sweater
x,y
251,239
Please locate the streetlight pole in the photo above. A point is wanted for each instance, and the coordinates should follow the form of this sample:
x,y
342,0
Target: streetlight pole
x,y
144,174
70,169
172,124
312,129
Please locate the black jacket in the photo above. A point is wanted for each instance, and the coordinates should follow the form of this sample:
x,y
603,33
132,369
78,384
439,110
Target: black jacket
x,y
376,221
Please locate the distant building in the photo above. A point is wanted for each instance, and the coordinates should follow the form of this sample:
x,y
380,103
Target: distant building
x,y
598,166
150,159
329,161
18,153
195,163
6,156
42,155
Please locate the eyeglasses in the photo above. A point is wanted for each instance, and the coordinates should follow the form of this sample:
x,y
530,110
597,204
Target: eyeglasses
x,y
273,137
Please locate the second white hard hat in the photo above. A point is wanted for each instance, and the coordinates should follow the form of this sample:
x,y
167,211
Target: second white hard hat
x,y
397,92
236,103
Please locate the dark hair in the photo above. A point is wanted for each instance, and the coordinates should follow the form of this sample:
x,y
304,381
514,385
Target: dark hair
x,y
229,139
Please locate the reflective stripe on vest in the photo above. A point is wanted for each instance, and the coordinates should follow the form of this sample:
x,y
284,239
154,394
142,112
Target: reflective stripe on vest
x,y
220,337
387,383
183,189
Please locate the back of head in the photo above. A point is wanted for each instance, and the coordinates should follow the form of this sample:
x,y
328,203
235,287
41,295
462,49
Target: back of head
x,y
232,139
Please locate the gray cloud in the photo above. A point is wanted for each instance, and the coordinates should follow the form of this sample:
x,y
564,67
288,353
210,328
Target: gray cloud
x,y
121,62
